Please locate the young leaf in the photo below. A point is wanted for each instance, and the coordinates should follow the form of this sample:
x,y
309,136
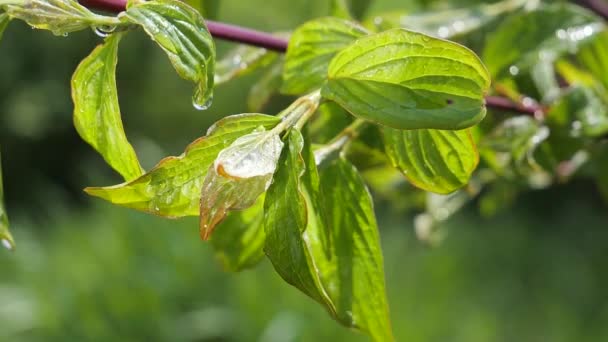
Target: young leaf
x,y
433,160
327,244
59,16
240,61
239,240
4,20
6,239
96,110
239,175
408,80
181,32
173,187
550,29
311,48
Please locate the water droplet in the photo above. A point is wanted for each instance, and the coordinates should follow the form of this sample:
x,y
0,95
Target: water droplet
x,y
513,70
7,244
104,30
202,101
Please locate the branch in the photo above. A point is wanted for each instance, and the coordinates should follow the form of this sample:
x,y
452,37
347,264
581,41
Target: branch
x,y
599,7
268,41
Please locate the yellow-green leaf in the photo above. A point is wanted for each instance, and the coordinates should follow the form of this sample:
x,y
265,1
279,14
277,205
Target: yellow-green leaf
x,y
96,110
407,80
173,187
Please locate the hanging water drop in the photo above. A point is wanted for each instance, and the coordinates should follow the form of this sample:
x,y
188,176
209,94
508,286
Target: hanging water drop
x,y
7,244
202,101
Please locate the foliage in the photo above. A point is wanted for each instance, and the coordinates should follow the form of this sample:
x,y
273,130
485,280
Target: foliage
x,y
291,186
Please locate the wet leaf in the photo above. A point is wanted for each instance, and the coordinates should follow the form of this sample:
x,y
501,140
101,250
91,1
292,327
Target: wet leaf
x,y
96,110
6,239
241,61
433,160
173,187
322,237
408,80
58,16
311,48
548,30
239,240
181,32
239,175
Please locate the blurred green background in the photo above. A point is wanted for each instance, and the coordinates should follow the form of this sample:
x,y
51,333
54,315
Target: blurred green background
x,y
86,271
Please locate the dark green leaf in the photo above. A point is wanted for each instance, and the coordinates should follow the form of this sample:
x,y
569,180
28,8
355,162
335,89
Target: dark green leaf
x,y
181,31
311,48
408,80
59,16
173,187
96,110
239,240
326,244
240,61
433,160
523,38
6,239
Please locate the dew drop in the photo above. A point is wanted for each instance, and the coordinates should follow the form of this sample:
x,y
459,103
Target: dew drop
x,y
513,70
7,244
104,30
202,101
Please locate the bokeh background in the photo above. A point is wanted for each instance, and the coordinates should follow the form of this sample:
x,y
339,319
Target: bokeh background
x,y
87,271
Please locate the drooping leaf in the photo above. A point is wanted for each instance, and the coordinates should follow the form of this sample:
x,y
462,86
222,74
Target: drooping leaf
x,y
239,240
173,187
555,29
408,80
322,238
181,32
96,110
240,61
58,16
239,175
4,20
447,23
433,160
311,48
268,85
6,239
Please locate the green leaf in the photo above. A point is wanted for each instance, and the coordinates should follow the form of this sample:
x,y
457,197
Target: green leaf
x,y
548,30
96,110
339,9
326,244
6,239
433,160
408,80
447,23
173,187
208,8
583,111
266,86
181,32
311,48
239,175
241,61
59,16
239,240
4,20
594,56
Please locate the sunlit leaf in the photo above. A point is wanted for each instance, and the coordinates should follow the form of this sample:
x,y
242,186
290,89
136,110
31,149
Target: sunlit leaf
x,y
522,39
239,240
173,187
240,61
181,32
268,85
59,16
446,23
311,48
6,239
327,244
239,175
433,160
96,110
408,80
